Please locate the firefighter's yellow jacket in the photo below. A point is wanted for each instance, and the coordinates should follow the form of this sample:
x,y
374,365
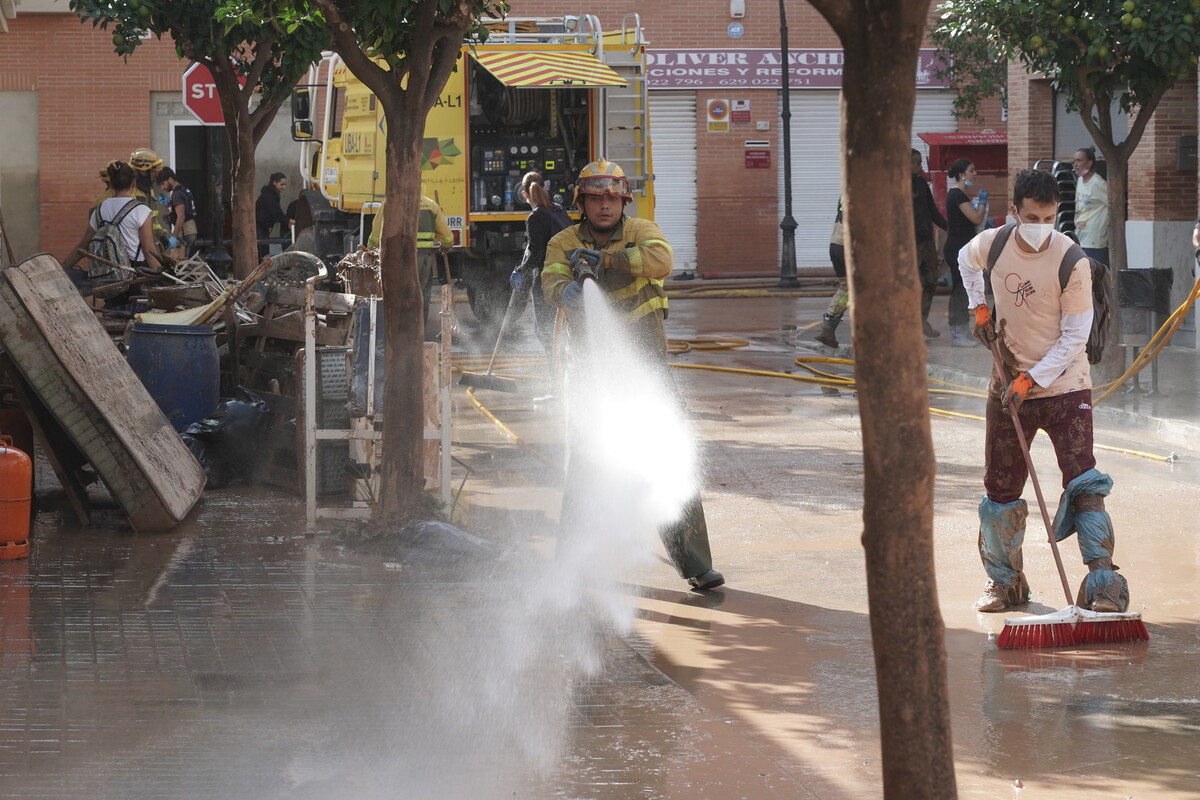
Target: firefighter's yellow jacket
x,y
432,230
637,258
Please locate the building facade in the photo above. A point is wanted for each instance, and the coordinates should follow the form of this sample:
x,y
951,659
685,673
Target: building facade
x,y
715,102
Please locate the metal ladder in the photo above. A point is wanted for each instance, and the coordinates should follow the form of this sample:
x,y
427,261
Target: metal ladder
x,y
626,111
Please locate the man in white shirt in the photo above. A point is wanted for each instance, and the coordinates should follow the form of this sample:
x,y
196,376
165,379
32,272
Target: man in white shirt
x,y
1041,331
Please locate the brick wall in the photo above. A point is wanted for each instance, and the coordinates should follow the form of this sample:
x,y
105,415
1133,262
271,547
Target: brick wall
x,y
1030,119
738,208
92,108
1158,191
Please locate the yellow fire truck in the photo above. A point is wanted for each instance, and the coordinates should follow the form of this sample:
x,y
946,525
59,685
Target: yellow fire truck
x,y
549,94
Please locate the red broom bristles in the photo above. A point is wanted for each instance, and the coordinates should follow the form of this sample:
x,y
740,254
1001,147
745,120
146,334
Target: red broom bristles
x,y
1111,631
1027,636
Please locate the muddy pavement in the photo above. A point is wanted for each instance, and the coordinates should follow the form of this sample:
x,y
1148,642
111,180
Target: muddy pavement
x,y
782,655
238,657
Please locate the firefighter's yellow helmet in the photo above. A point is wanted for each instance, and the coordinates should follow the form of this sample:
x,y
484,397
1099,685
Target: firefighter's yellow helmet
x,y
600,178
144,159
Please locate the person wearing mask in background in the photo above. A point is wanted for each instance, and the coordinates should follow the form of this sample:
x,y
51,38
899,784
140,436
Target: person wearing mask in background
x,y
433,238
962,216
925,216
181,214
545,220
1091,205
132,217
268,212
629,258
841,294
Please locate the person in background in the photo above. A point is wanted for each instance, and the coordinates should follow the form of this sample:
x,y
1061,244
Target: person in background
x,y
181,214
630,258
1091,205
268,211
962,215
925,216
841,294
545,220
433,238
146,164
108,192
135,224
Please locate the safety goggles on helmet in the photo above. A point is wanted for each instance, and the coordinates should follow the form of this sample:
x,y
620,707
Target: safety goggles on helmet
x,y
144,159
604,184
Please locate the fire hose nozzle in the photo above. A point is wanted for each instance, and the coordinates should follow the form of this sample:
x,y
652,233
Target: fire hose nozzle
x,y
584,264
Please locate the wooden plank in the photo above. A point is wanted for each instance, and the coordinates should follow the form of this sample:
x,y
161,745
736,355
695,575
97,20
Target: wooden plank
x,y
64,456
291,329
74,368
433,414
325,301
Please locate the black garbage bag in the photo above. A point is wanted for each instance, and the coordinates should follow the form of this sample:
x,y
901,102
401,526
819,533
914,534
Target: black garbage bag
x,y
229,442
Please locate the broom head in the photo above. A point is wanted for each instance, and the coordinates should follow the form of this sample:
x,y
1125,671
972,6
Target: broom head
x,y
1071,626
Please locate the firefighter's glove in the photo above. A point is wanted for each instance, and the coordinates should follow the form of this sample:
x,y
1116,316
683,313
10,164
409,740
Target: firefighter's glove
x,y
1018,390
585,263
572,296
984,331
519,281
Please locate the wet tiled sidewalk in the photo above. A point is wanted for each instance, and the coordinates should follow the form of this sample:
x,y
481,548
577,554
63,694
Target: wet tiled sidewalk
x,y
236,657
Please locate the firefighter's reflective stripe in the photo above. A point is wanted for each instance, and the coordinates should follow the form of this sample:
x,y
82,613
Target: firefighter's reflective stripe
x,y
426,223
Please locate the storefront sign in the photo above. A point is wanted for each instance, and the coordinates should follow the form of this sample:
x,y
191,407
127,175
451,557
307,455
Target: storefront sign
x,y
717,68
740,113
718,116
758,159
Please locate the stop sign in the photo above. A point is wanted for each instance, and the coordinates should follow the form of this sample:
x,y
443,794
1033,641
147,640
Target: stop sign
x,y
200,95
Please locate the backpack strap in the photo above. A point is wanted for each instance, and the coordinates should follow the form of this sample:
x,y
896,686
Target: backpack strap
x,y
1002,236
120,217
125,210
1069,260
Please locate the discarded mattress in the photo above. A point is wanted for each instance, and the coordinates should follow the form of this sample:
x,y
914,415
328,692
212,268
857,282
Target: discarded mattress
x,y
65,355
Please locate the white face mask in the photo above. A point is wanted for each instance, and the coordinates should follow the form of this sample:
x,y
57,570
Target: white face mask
x,y
1034,235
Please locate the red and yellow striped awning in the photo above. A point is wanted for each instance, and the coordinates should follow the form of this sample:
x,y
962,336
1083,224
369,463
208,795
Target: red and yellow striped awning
x,y
548,69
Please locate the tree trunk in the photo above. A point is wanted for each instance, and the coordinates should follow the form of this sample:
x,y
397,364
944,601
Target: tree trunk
x,y
881,44
242,198
239,134
402,473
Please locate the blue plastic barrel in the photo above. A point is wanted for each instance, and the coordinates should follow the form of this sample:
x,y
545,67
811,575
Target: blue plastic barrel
x,y
180,368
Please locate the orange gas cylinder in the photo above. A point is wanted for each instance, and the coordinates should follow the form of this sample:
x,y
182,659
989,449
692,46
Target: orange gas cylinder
x,y
16,490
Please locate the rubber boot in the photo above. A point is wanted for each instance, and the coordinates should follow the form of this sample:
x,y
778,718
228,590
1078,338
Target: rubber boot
x,y
926,304
1001,533
825,332
1103,589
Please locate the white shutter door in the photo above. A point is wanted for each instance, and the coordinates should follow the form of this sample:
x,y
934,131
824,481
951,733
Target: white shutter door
x,y
816,173
817,162
673,133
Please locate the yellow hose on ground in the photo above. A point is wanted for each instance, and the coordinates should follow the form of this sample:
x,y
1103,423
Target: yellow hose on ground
x,y
1157,342
817,377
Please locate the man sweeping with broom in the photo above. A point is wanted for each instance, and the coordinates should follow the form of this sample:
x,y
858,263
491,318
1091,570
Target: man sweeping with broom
x,y
1040,330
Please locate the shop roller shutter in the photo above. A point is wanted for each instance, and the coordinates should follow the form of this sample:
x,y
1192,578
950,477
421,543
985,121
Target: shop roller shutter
x,y
816,162
673,133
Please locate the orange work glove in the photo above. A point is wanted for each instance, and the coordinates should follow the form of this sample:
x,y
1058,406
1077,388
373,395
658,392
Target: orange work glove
x,y
984,331
1018,390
